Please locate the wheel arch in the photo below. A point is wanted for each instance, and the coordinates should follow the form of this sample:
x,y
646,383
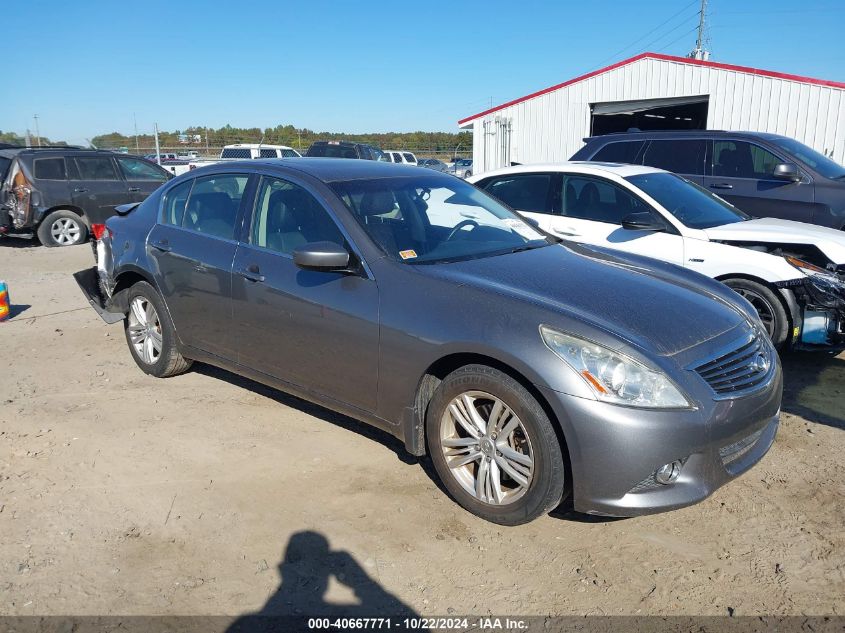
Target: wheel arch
x,y
415,430
124,280
66,207
785,295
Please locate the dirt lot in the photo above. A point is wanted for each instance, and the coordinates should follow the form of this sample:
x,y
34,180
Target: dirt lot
x,y
202,494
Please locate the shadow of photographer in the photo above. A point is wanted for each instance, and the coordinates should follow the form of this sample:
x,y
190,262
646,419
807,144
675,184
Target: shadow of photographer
x,y
307,566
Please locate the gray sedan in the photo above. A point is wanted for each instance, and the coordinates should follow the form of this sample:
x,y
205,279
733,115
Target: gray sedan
x,y
528,369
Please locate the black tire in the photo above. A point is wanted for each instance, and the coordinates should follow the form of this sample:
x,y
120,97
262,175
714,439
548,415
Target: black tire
x,y
168,362
768,306
546,486
47,235
467,174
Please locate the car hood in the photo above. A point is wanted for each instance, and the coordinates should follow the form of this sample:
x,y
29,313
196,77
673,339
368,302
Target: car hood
x,y
770,230
661,308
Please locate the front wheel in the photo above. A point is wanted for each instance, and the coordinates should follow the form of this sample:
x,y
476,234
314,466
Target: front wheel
x,y
151,335
62,228
768,306
494,447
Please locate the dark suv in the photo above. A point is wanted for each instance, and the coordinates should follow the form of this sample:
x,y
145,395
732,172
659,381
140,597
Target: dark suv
x,y
344,149
57,193
765,175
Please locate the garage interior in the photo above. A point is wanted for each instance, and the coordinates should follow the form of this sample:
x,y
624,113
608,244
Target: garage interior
x,y
678,113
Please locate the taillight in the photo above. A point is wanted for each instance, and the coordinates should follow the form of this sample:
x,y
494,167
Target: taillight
x,y
99,230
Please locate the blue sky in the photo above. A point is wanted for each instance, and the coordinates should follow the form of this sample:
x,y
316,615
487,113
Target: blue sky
x,y
359,66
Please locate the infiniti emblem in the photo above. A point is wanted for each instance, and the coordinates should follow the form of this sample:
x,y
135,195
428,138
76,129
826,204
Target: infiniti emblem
x,y
760,364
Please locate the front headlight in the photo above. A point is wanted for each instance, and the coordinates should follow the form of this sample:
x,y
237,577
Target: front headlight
x,y
612,376
807,268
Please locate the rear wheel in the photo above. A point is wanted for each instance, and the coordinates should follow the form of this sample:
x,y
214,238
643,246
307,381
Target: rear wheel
x,y
62,228
494,447
768,306
151,335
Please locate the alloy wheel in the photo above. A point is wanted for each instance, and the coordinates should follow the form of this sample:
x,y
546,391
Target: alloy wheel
x,y
145,330
487,448
65,231
763,307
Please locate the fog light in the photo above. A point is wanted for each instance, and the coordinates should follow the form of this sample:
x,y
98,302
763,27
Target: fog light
x,y
668,473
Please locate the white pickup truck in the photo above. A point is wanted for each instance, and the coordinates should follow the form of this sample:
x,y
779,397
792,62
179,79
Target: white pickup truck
x,y
239,151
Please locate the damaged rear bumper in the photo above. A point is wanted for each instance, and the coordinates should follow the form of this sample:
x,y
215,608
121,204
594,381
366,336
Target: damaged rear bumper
x,y
817,306
88,281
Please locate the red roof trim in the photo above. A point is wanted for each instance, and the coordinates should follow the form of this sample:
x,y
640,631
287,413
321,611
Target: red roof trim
x,y
669,58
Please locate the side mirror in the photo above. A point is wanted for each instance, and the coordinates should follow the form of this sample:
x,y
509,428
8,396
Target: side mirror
x,y
786,171
642,221
325,256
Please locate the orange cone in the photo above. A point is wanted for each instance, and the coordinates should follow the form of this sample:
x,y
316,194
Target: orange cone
x,y
5,305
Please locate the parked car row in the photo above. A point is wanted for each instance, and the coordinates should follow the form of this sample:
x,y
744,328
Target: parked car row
x,y
529,368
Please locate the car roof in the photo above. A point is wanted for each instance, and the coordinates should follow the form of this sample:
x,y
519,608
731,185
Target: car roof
x,y
652,134
327,169
257,145
581,167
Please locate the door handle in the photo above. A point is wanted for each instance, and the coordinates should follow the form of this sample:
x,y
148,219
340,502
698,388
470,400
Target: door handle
x,y
134,189
162,246
721,185
201,268
80,190
251,273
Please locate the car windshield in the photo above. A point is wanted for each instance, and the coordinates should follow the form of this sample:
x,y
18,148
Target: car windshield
x,y
695,207
821,163
431,219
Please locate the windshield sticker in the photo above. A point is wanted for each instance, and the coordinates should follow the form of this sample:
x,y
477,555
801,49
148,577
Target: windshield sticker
x,y
408,254
521,228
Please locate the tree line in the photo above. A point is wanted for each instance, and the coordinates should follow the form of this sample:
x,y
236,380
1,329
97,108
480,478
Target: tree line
x,y
298,138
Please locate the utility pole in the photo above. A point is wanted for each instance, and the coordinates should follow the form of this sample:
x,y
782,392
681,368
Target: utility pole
x,y
135,119
158,153
699,52
37,134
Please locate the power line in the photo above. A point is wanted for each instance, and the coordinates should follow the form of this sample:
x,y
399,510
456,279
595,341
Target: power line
x,y
675,41
656,28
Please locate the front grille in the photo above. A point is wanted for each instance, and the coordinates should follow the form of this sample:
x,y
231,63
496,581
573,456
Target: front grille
x,y
733,452
746,366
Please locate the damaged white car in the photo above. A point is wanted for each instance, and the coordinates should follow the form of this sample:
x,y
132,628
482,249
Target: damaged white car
x,y
792,273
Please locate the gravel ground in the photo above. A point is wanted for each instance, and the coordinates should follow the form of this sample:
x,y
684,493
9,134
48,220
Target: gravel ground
x,y
210,494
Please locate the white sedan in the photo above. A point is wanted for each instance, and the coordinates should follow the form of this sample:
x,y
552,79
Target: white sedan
x,y
789,271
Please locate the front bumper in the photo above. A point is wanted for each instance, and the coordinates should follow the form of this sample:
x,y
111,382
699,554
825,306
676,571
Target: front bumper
x,y
615,451
820,305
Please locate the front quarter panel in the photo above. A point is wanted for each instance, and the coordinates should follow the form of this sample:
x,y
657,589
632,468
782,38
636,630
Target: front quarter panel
x,y
723,260
450,319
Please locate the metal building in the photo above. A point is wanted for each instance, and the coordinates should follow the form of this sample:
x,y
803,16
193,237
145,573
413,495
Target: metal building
x,y
654,91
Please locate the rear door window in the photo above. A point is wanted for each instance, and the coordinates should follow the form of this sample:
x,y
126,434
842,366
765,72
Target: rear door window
x,y
174,203
213,205
523,192
589,198
622,152
682,156
49,169
409,158
95,168
268,153
136,169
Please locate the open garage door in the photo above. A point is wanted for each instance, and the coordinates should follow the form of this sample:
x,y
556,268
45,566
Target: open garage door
x,y
672,113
